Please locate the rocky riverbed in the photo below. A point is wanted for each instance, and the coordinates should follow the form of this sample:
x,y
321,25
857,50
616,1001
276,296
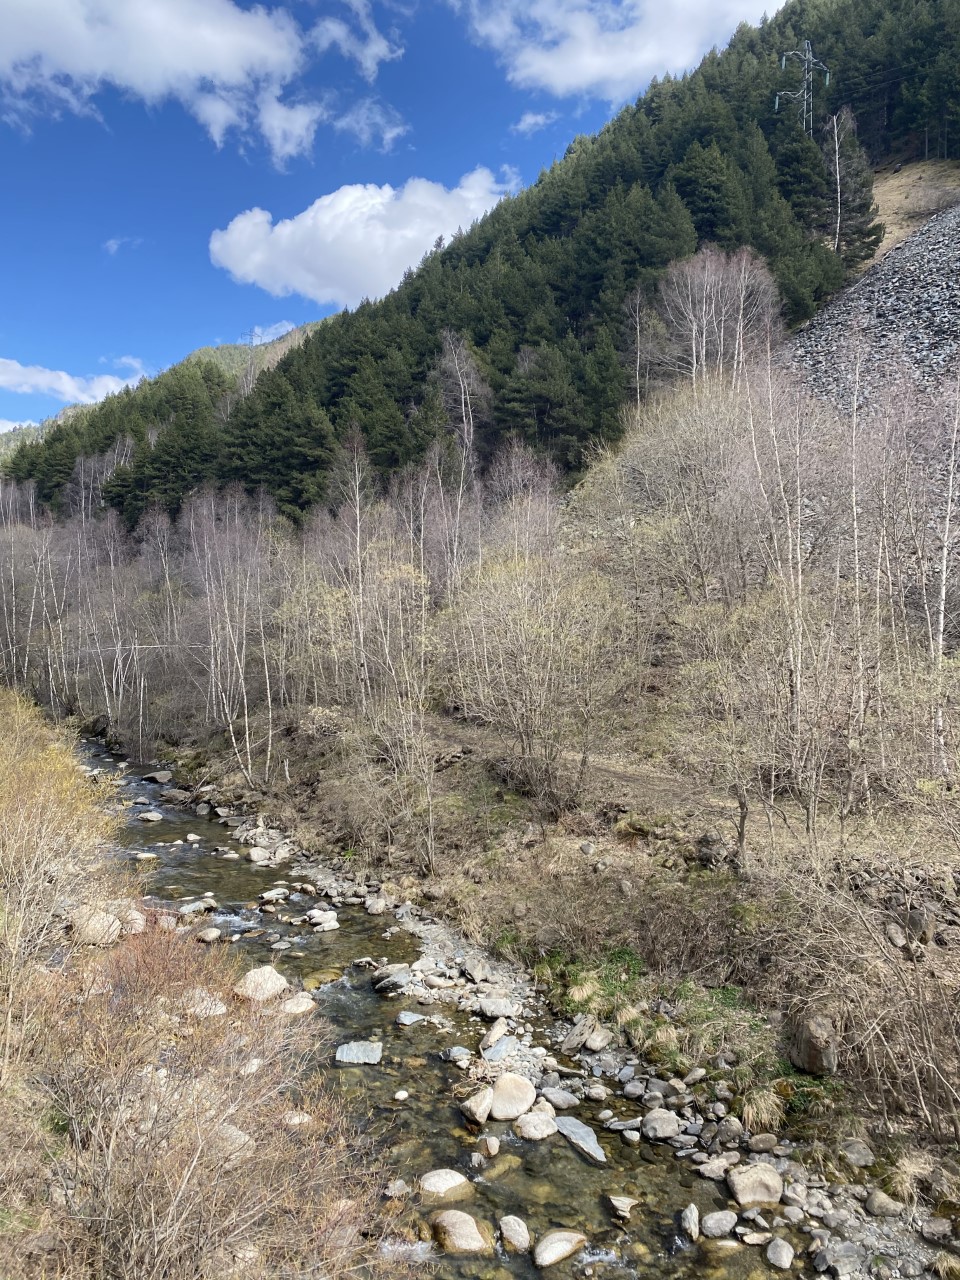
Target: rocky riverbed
x,y
518,1143
900,319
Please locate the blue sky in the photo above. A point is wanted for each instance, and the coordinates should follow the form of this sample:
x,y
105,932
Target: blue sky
x,y
181,172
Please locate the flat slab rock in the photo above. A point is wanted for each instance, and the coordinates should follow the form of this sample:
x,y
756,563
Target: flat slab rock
x,y
582,1138
363,1053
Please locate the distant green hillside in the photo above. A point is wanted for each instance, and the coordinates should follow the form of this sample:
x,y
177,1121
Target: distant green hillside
x,y
11,440
172,423
534,297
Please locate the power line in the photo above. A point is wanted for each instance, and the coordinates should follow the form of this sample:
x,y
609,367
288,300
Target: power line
x,y
803,96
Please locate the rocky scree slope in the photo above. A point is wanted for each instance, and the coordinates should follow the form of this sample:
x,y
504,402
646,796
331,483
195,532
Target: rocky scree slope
x,y
901,317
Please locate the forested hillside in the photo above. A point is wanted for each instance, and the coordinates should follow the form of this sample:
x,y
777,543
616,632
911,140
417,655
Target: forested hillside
x,y
537,322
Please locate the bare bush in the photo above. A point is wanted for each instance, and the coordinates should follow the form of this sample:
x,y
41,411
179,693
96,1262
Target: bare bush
x,y
199,1139
51,830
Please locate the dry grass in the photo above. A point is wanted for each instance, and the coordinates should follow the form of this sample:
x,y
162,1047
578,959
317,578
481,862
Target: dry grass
x,y
52,825
151,1126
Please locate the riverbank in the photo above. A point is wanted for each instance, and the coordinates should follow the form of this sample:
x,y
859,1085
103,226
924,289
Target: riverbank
x,y
559,1073
146,1103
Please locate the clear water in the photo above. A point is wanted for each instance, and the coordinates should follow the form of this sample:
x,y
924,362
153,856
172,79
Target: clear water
x,y
545,1183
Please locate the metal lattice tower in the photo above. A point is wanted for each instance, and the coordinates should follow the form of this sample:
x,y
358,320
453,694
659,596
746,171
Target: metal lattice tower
x,y
803,96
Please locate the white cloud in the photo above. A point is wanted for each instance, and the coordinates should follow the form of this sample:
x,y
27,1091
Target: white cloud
x,y
601,48
258,335
33,379
232,67
368,47
369,120
7,424
116,243
533,121
355,242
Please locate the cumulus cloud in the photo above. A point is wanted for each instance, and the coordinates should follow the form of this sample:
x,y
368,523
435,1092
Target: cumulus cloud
x,y
533,122
234,68
34,379
355,242
600,48
7,424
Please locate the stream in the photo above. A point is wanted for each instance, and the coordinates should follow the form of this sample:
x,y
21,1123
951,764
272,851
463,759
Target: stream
x,y
546,1183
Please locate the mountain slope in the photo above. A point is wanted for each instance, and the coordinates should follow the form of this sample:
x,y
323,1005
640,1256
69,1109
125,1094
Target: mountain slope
x,y
530,307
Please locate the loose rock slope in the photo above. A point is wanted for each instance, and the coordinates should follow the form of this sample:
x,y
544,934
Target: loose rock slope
x,y
902,317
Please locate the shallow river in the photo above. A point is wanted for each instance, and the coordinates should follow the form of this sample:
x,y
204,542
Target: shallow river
x,y
546,1183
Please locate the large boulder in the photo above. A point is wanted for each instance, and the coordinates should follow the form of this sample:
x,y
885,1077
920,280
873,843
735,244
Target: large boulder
x,y
814,1045
753,1184
261,984
513,1096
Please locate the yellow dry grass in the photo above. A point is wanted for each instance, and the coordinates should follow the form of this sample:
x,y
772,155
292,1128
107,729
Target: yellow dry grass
x,y
908,198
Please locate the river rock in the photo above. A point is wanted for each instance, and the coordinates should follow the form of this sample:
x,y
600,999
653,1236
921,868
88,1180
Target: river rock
x,y
857,1153
92,927
302,1002
814,1046
780,1253
493,1008
160,776
477,1106
880,1205
762,1142
715,1225
660,1124
456,1232
407,1019
515,1234
261,984
495,1033
197,1002
555,1246
210,935
560,1099
690,1221
582,1138
445,1184
535,1126
622,1206
502,1049
513,1095
363,1053
752,1184
230,1143
477,969
151,815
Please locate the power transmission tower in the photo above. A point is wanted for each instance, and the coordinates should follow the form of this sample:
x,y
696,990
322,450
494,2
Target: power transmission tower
x,y
251,338
803,96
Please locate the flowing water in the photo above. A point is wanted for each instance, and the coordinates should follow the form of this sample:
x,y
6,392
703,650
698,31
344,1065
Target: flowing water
x,y
547,1183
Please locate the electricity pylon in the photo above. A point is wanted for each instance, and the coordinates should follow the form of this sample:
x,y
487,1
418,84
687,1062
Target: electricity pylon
x,y
803,96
